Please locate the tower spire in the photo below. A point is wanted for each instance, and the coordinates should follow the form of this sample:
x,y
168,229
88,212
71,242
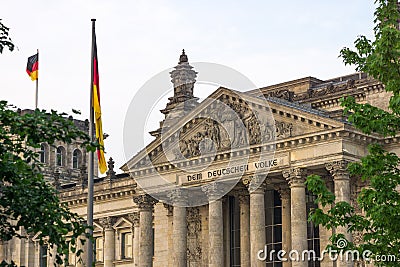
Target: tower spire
x,y
183,58
183,77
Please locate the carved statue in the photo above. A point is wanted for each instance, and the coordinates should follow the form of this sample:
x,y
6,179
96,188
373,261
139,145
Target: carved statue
x,y
283,129
228,123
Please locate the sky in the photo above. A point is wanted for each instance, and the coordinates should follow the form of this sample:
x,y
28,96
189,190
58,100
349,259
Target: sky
x,y
267,41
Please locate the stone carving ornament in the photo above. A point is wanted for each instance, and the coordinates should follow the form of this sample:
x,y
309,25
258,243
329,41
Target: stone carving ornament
x,y
282,94
194,252
145,201
338,169
238,125
283,129
108,222
254,182
295,176
194,222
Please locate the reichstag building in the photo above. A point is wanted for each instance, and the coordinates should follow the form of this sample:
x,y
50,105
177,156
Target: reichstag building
x,y
222,182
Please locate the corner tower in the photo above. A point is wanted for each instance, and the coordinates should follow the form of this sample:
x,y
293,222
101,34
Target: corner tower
x,y
183,101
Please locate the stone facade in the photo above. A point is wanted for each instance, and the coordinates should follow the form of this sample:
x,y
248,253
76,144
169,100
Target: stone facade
x,y
263,209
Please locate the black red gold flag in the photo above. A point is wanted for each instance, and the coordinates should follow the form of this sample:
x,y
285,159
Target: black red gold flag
x,y
32,67
97,111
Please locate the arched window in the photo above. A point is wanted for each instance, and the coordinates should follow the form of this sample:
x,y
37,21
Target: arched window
x,y
60,156
76,159
43,153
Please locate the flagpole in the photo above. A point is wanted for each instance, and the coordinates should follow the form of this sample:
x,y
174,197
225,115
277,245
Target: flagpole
x,y
37,83
91,160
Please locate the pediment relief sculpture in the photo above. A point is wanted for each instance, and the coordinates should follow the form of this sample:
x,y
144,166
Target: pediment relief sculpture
x,y
232,130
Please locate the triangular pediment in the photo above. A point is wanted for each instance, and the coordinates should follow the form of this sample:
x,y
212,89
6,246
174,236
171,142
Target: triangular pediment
x,y
228,120
97,227
122,223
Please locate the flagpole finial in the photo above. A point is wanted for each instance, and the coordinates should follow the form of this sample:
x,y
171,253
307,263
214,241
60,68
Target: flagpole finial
x,y
93,19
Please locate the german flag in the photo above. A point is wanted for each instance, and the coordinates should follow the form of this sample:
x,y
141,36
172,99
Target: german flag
x,y
32,68
97,110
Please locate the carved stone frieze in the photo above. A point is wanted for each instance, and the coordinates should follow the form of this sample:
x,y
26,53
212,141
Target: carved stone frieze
x,y
229,126
214,137
326,89
283,94
233,124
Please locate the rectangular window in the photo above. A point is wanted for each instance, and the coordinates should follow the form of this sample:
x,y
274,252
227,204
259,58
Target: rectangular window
x,y
98,249
126,245
273,226
43,256
234,224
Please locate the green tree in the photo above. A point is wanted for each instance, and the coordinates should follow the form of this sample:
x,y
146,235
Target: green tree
x,y
380,201
5,40
26,199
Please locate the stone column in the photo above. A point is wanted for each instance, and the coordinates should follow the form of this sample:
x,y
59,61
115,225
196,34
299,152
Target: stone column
x,y
170,213
146,205
109,240
215,228
2,247
179,228
324,233
256,187
29,252
37,254
134,217
284,192
296,178
341,181
244,209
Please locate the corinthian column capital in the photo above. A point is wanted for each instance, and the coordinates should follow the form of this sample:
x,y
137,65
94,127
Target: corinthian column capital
x,y
145,202
134,218
338,169
213,191
254,183
108,222
169,208
283,190
178,197
295,176
243,197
